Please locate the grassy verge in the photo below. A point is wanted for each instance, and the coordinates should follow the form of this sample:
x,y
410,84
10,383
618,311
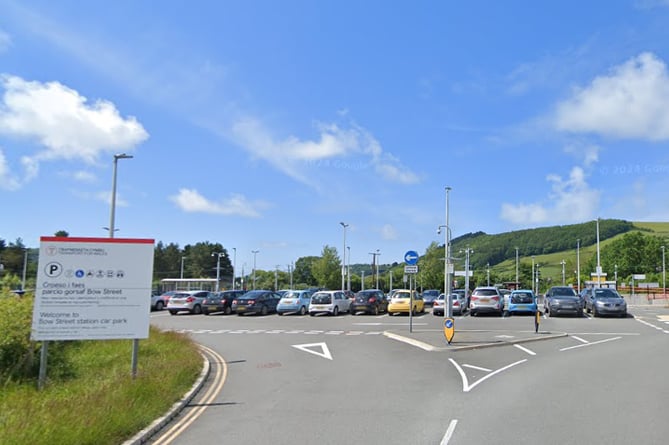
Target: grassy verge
x,y
99,402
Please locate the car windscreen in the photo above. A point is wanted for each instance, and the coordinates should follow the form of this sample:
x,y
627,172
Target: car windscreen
x,y
564,292
401,295
605,293
321,298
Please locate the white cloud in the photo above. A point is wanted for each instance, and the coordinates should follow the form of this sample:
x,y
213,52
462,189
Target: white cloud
x,y
5,41
8,181
190,200
389,232
632,101
571,200
292,155
63,123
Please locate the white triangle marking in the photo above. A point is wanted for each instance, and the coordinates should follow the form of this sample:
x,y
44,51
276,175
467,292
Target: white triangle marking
x,y
325,352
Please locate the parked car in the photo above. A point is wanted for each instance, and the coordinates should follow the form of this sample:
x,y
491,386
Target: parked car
x,y
462,294
220,302
562,300
369,301
294,302
165,296
605,301
260,302
329,302
157,302
350,295
522,301
429,296
486,299
405,301
459,306
190,301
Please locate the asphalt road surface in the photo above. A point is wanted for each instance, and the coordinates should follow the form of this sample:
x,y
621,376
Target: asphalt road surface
x,y
341,380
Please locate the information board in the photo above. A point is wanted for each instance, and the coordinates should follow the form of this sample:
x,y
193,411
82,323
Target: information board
x,y
93,289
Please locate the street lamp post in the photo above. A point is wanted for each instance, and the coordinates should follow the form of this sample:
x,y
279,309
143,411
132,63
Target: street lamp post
x,y
533,284
487,270
218,256
254,252
563,262
664,276
181,275
517,284
234,268
348,269
112,217
578,265
375,266
343,254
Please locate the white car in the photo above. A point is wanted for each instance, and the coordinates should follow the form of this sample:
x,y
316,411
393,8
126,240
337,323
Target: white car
x,y
191,301
329,302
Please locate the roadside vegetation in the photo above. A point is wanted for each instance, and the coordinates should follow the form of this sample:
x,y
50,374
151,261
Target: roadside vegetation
x,y
90,396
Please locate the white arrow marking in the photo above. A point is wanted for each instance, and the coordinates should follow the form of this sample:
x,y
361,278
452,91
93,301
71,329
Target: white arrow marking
x,y
325,352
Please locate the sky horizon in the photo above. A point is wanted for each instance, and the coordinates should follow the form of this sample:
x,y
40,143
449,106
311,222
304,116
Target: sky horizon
x,y
264,125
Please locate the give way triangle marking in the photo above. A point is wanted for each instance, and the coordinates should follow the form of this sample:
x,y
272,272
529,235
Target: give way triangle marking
x,y
324,351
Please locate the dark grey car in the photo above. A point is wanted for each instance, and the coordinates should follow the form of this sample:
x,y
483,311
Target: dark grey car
x,y
563,300
605,301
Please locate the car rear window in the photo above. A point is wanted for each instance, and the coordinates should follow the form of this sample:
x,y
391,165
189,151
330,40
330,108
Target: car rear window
x,y
485,292
321,299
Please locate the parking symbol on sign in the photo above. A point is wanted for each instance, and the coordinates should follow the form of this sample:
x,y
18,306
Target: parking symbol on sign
x,y
53,269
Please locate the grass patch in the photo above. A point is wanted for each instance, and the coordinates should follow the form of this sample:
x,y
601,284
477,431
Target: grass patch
x,y
98,402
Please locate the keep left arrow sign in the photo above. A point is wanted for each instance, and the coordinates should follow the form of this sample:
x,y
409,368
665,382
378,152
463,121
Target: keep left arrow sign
x,y
324,351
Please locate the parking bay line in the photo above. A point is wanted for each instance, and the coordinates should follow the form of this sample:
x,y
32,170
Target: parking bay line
x,y
449,432
590,344
522,348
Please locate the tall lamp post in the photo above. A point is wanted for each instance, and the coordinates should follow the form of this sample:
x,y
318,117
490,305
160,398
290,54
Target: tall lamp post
x,y
375,266
348,269
578,265
664,276
563,262
234,268
517,284
112,217
218,256
343,254
254,252
181,275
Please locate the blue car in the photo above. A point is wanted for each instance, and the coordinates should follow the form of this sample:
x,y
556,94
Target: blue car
x,y
294,302
522,301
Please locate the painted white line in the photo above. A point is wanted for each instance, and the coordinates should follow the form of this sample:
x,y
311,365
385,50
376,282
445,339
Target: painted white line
x,y
449,432
411,341
524,349
579,339
590,344
466,387
325,352
477,368
334,332
354,333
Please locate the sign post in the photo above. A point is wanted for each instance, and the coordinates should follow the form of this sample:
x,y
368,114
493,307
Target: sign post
x,y
411,269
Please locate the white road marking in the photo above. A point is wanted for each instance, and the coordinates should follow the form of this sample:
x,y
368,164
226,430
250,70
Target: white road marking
x,y
466,387
579,339
411,341
652,326
449,432
325,352
477,368
590,344
522,348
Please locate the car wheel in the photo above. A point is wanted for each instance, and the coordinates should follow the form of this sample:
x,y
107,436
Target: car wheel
x,y
303,310
197,309
335,311
390,314
205,312
279,313
227,310
159,305
263,310
550,313
375,311
434,313
312,314
594,312
580,313
173,312
623,315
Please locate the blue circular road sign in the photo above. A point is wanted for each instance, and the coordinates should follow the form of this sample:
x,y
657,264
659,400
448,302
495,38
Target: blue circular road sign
x,y
411,257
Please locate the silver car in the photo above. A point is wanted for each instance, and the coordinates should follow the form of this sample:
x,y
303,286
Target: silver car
x,y
486,299
190,301
605,301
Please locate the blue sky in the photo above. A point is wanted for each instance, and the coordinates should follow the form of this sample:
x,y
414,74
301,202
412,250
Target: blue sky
x,y
262,124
